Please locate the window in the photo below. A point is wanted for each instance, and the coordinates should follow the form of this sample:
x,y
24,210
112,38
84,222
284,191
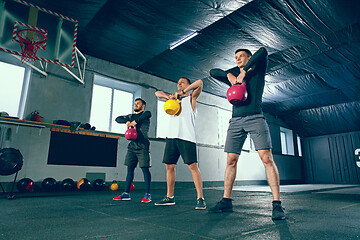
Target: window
x,y
283,143
223,123
252,145
287,143
163,118
111,98
299,145
122,105
13,89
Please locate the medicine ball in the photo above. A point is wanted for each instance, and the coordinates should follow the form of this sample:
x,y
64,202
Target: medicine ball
x,y
83,184
25,185
99,184
49,184
67,184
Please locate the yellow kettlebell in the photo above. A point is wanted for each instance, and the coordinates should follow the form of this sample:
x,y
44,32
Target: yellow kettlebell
x,y
172,106
114,186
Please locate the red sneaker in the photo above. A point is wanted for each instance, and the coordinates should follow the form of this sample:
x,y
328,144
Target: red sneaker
x,y
123,197
147,198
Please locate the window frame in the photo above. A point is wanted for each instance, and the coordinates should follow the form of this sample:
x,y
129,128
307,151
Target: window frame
x,y
288,141
283,143
115,84
298,141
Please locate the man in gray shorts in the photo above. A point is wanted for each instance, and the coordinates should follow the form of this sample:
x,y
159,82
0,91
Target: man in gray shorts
x,y
248,118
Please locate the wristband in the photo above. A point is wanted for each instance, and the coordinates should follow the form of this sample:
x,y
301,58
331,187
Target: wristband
x,y
183,92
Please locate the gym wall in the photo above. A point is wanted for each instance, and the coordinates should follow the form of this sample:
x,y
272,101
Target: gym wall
x,y
331,159
58,96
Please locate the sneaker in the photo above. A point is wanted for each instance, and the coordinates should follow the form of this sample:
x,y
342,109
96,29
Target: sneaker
x,y
222,206
200,203
166,201
146,198
123,197
278,211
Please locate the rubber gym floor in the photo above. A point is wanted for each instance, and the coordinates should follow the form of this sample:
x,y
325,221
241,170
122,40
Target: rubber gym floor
x,y
313,212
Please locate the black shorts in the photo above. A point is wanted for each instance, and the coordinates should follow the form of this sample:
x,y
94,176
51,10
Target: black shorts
x,y
175,148
133,156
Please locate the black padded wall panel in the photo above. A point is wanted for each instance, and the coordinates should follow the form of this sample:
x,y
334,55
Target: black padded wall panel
x,y
82,150
331,159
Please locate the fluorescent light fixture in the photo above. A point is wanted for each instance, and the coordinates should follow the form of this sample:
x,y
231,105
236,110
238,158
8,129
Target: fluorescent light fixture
x,y
181,41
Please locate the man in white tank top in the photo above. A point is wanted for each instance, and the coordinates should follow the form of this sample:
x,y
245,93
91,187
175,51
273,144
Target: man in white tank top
x,y
181,140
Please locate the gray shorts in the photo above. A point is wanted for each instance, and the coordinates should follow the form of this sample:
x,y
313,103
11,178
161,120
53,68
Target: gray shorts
x,y
238,129
135,156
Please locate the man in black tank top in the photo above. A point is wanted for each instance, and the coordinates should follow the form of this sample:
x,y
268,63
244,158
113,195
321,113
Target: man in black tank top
x,y
248,118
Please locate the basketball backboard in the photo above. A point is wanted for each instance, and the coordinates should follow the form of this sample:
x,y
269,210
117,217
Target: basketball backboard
x,y
61,31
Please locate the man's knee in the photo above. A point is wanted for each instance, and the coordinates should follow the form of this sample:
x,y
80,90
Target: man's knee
x,y
193,166
232,159
170,167
266,157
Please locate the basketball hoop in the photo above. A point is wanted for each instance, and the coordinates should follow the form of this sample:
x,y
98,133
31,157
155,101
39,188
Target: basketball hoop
x,y
30,41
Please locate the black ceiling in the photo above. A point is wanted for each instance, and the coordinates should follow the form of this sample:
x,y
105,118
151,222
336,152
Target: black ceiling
x,y
313,78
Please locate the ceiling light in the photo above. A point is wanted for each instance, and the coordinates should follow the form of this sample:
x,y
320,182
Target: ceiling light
x,y
181,41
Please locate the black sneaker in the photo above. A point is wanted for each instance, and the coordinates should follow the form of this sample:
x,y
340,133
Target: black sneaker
x,y
278,211
200,203
225,205
166,201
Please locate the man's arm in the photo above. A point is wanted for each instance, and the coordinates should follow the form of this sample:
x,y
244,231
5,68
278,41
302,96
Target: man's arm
x,y
225,76
161,95
123,119
143,117
195,86
222,75
239,79
219,74
259,55
229,76
258,59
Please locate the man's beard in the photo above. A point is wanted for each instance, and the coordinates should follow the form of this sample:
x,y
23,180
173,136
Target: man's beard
x,y
137,110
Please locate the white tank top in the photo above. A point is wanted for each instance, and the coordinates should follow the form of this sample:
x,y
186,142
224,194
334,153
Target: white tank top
x,y
183,126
